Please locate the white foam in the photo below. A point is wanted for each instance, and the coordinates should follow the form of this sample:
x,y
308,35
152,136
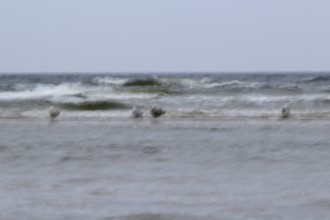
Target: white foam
x,y
107,80
42,90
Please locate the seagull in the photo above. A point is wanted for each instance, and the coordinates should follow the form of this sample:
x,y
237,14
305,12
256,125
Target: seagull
x,y
53,113
156,111
285,111
137,113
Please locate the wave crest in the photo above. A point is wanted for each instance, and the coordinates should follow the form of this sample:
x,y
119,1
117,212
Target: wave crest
x,y
94,105
316,79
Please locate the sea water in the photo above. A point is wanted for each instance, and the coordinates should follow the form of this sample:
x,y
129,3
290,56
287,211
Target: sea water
x,y
207,158
225,96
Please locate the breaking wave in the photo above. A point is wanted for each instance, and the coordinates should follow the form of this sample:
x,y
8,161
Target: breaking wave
x,y
194,84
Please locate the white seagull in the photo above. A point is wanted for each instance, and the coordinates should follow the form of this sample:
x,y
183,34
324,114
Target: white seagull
x,y
53,113
137,113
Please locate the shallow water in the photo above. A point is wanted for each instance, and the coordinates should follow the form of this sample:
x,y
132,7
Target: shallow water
x,y
166,169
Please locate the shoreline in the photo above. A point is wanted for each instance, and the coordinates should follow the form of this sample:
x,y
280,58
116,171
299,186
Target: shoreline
x,y
172,119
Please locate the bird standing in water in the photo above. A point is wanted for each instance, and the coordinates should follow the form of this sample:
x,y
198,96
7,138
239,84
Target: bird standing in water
x,y
137,113
53,113
156,111
285,111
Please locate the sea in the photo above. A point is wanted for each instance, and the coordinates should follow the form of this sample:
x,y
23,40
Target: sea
x,y
221,150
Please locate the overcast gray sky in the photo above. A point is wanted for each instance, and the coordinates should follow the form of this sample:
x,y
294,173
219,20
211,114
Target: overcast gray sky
x,y
164,35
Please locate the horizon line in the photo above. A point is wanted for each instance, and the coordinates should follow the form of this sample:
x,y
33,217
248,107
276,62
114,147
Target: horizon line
x,y
167,72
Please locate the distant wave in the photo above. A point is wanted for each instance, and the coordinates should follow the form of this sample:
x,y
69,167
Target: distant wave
x,y
248,86
108,80
142,82
325,89
117,81
316,79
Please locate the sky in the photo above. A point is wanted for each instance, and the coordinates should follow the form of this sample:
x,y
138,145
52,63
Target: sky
x,y
164,35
